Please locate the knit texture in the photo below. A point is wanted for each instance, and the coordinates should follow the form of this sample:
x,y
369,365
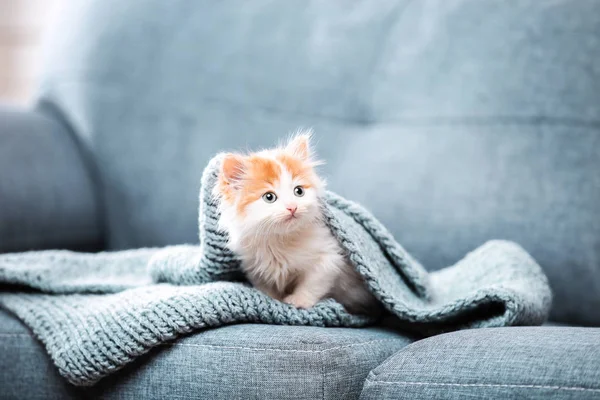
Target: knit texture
x,y
96,313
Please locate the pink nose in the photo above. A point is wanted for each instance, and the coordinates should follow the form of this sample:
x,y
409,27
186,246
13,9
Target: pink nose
x,y
292,209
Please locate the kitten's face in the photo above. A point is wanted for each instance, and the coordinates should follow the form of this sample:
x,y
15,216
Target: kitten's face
x,y
273,191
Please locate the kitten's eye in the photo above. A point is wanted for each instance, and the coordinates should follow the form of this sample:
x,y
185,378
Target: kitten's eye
x,y
269,197
299,191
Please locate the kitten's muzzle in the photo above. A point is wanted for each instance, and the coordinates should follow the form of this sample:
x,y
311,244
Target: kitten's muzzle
x,y
292,209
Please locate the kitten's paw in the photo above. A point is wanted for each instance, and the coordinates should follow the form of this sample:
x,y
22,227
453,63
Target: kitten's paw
x,y
299,300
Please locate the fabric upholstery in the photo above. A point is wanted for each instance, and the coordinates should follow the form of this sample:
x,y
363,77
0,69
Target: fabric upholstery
x,y
234,362
516,363
142,298
452,131
47,198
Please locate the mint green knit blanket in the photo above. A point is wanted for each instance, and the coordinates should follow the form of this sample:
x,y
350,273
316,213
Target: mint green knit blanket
x,y
95,313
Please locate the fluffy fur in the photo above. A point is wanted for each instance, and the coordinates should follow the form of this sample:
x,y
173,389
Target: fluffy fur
x,y
286,249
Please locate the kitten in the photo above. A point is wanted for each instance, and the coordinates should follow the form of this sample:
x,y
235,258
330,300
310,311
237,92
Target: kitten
x,y
269,203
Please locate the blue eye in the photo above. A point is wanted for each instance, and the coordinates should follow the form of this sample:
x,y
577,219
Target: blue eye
x,y
269,197
299,191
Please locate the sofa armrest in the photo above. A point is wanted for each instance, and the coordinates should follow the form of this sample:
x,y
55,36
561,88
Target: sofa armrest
x,y
47,197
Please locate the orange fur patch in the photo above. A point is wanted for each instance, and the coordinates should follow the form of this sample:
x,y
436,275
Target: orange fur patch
x,y
260,176
231,174
300,170
226,191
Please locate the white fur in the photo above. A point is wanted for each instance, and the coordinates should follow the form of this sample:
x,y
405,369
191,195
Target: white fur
x,y
296,260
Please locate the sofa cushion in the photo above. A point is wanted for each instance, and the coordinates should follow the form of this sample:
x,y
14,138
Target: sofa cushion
x,y
238,361
452,131
533,363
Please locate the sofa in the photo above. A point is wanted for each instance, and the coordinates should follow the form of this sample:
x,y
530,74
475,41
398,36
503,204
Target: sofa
x,y
454,122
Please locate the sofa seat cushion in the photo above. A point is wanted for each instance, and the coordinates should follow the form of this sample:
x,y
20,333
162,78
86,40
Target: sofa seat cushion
x,y
238,361
507,363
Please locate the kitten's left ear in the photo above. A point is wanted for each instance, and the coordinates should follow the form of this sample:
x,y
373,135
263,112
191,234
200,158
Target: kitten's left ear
x,y
299,145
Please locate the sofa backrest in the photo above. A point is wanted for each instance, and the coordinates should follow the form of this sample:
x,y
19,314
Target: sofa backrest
x,y
454,122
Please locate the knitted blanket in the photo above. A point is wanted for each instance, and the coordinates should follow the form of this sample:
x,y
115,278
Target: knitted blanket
x,y
96,313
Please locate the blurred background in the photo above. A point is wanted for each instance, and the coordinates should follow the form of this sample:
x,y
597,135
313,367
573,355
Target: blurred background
x,y
454,122
22,27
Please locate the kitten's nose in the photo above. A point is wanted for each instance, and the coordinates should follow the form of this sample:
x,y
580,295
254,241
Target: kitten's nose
x,y
291,209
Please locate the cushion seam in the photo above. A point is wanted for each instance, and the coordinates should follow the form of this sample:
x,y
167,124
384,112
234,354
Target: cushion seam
x,y
507,385
276,349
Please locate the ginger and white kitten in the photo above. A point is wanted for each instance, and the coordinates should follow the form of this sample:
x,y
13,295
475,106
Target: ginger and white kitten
x,y
269,203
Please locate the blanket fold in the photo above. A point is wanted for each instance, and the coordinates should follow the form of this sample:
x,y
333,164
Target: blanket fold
x,y
95,313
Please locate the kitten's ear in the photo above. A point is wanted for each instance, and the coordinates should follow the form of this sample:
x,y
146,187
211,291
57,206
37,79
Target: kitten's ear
x,y
299,145
233,167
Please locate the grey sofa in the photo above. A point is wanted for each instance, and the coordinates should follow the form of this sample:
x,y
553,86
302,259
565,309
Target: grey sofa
x,y
454,122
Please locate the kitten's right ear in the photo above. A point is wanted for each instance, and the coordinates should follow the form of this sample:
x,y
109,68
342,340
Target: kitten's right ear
x,y
233,168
